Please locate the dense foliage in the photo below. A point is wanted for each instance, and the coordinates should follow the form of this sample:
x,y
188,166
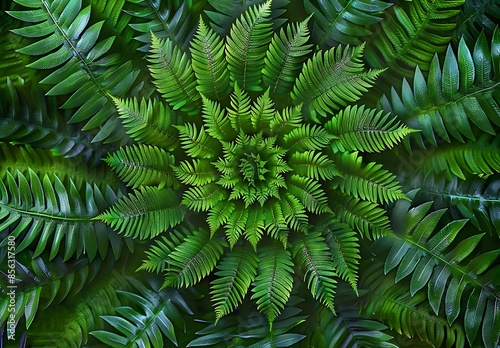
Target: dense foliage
x,y
231,173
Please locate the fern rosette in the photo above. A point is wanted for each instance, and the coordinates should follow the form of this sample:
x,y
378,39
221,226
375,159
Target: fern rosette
x,y
263,184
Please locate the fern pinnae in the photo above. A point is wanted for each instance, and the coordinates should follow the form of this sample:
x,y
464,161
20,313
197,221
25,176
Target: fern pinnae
x,y
235,274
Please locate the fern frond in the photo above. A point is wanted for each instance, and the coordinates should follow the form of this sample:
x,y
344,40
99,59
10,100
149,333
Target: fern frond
x,y
309,192
247,44
170,20
262,112
408,314
286,120
144,213
367,218
457,99
148,122
371,183
196,143
142,165
81,68
255,224
344,246
332,79
480,158
473,199
476,16
209,63
284,57
344,21
412,33
173,75
198,172
216,121
46,210
30,118
235,274
359,129
307,137
294,212
203,198
193,259
432,259
273,285
145,319
313,165
313,255
157,254
239,113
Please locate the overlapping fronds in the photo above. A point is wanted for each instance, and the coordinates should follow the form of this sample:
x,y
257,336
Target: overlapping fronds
x,y
476,16
40,284
68,324
344,246
363,129
175,20
145,318
29,117
273,285
236,272
209,63
143,165
370,183
344,21
313,256
473,199
287,51
313,165
173,75
224,12
451,269
332,79
82,67
412,32
458,97
247,45
144,213
49,211
193,259
407,314
365,217
197,143
147,122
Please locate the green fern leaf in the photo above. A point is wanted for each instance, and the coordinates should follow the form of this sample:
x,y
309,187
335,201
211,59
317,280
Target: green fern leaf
x,y
371,183
312,253
344,21
158,254
309,192
167,20
365,217
313,165
285,56
332,79
236,224
145,213
199,172
209,63
147,122
235,274
262,112
247,44
203,198
142,165
81,67
360,129
344,247
432,258
173,75
307,137
45,210
196,143
273,285
286,120
456,99
193,259
217,123
219,215
412,33
239,113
